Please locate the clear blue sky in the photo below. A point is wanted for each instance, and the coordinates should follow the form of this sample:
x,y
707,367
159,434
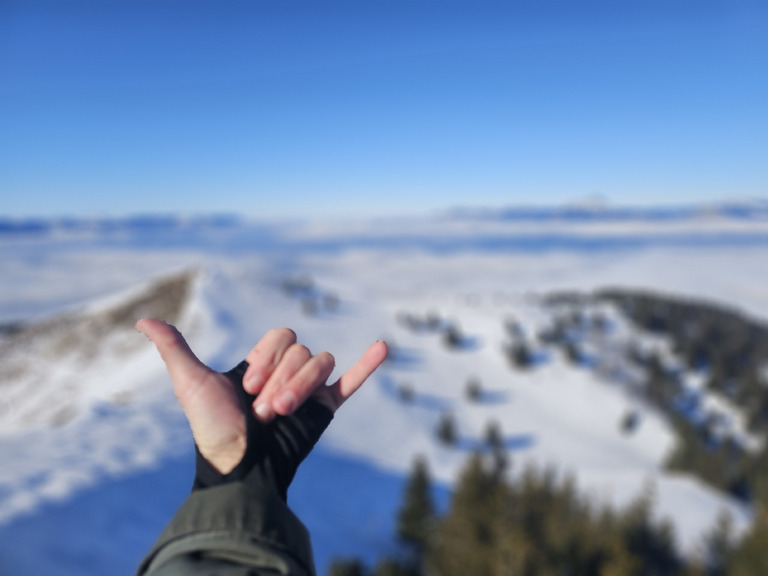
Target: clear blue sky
x,y
274,107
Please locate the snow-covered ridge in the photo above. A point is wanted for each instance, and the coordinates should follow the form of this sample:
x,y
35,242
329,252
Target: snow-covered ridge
x,y
50,367
520,228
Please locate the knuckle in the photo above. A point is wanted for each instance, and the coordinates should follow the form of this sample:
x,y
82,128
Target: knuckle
x,y
284,334
327,359
275,336
256,362
261,373
300,350
174,339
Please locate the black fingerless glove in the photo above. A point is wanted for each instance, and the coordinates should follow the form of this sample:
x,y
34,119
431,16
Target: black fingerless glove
x,y
273,451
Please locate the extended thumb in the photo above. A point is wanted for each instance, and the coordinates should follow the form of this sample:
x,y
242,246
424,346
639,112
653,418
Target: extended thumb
x,y
179,359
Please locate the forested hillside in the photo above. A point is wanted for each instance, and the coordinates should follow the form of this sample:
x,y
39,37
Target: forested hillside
x,y
707,376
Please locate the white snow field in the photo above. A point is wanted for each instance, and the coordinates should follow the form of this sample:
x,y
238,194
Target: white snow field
x,y
96,455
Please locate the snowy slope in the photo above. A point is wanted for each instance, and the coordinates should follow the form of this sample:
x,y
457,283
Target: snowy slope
x,y
84,436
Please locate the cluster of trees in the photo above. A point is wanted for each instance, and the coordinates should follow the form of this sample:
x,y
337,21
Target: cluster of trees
x,y
517,349
734,351
566,331
312,299
539,525
429,322
450,332
732,347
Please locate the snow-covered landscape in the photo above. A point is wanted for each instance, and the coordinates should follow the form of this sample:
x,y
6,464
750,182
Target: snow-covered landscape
x,y
97,455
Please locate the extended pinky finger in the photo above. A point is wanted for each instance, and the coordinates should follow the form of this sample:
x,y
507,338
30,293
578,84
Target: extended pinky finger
x,y
354,378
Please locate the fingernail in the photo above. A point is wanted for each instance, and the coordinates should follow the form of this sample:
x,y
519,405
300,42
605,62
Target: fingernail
x,y
253,382
285,402
263,412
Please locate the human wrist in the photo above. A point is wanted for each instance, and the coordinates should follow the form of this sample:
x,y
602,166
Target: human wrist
x,y
224,459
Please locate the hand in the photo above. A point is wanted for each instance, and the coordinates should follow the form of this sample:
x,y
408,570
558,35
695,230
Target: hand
x,y
281,373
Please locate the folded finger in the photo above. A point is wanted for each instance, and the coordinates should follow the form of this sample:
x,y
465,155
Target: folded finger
x,y
264,358
302,384
291,361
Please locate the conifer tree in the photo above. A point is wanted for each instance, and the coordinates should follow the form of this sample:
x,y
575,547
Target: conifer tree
x,y
717,546
652,543
465,542
446,429
473,389
750,556
519,355
416,517
452,337
390,567
493,435
347,567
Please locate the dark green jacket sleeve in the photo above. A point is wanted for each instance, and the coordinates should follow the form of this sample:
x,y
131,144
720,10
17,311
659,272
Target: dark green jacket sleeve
x,y
231,530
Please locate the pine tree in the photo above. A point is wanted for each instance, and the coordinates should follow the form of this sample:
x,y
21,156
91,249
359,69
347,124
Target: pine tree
x,y
452,337
446,429
465,542
653,543
717,546
519,355
493,435
750,556
347,567
619,561
416,517
573,353
390,567
473,389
